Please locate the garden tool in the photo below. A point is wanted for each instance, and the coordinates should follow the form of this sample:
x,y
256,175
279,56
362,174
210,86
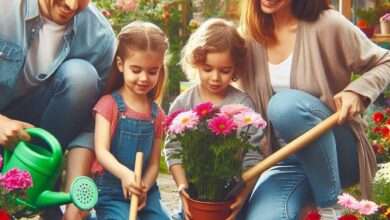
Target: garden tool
x,y
234,187
138,175
45,167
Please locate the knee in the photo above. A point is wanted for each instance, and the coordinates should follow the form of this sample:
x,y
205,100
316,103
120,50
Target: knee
x,y
284,104
79,76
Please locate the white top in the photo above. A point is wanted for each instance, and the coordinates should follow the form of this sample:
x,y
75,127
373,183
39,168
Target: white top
x,y
280,74
42,53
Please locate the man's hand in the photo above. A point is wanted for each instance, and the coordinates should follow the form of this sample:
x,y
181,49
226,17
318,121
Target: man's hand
x,y
349,104
12,131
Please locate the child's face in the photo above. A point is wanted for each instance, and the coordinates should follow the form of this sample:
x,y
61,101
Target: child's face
x,y
217,72
140,71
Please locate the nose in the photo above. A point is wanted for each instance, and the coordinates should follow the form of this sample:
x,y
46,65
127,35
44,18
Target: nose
x,y
72,4
144,76
215,75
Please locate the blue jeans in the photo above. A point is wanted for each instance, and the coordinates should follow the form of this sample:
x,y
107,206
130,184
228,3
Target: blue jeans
x,y
316,173
113,206
62,104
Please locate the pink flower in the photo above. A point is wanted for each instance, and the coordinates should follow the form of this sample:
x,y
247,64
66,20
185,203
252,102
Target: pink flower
x,y
204,109
367,207
347,201
168,120
126,5
233,109
222,125
182,121
249,118
106,12
16,179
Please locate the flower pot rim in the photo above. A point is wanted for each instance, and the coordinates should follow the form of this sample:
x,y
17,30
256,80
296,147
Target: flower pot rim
x,y
212,203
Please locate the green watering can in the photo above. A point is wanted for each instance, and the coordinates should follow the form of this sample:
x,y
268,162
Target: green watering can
x,y
45,167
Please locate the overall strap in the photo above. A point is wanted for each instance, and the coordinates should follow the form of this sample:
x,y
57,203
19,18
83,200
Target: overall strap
x,y
154,109
119,101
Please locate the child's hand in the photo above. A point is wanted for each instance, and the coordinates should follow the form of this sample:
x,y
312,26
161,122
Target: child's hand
x,y
142,198
184,196
130,186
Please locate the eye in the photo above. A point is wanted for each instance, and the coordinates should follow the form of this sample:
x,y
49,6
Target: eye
x,y
207,68
153,72
135,70
226,70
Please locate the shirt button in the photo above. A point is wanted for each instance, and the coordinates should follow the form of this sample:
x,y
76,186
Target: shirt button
x,y
123,117
33,30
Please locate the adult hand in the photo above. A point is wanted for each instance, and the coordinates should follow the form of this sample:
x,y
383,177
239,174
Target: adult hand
x,y
130,186
184,196
348,104
12,131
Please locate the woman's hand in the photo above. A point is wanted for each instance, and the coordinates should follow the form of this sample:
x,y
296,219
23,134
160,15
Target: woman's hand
x,y
184,196
348,104
12,131
237,205
130,186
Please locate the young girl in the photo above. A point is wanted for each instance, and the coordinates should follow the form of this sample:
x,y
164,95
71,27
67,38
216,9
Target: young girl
x,y
127,121
214,55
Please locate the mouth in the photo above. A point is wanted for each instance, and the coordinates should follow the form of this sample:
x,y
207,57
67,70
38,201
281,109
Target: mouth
x,y
269,3
65,10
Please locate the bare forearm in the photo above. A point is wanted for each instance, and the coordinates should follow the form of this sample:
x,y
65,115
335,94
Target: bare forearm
x,y
179,174
111,164
150,176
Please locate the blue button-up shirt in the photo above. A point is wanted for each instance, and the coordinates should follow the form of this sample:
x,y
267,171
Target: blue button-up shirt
x,y
89,37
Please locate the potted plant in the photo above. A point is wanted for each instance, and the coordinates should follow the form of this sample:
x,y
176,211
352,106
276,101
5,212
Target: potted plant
x,y
368,18
213,142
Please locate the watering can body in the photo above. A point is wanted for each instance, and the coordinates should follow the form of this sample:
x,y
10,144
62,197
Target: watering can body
x,y
45,168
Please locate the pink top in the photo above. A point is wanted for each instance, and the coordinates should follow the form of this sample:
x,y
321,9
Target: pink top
x,y
107,108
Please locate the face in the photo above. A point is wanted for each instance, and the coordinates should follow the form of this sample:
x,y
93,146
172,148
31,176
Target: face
x,y
61,11
272,6
140,71
217,72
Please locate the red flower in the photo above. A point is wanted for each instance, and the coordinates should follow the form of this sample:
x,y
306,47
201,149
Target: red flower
x,y
384,131
313,215
349,217
167,7
388,121
4,215
376,129
388,111
377,117
166,15
361,23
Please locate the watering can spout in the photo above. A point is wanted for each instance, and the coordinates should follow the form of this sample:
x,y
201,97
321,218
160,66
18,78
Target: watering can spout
x,y
49,198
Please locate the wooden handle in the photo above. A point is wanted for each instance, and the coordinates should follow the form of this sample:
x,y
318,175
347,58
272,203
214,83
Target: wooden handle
x,y
138,176
291,147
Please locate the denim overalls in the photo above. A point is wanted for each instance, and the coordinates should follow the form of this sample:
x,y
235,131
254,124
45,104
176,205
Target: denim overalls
x,y
131,136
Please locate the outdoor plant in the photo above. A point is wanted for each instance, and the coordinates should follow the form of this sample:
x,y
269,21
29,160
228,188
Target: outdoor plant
x,y
213,142
382,184
12,185
379,129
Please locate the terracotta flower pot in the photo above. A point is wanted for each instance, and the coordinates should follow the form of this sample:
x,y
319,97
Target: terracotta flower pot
x,y
369,31
209,210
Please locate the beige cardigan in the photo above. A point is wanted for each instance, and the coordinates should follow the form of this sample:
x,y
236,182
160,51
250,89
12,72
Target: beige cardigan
x,y
326,52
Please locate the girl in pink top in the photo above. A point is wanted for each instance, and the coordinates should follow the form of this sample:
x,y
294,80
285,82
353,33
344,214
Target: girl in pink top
x,y
128,120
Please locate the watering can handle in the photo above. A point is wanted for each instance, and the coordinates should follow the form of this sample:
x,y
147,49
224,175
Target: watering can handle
x,y
46,136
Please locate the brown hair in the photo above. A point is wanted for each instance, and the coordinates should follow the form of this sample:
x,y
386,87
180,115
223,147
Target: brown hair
x,y
141,36
260,26
217,35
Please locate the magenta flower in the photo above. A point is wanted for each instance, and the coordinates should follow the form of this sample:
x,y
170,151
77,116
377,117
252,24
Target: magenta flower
x,y
222,125
16,179
183,121
168,120
366,207
348,201
204,109
249,118
106,12
230,110
1,161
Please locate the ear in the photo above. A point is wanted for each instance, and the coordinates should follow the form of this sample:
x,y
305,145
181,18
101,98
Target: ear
x,y
119,64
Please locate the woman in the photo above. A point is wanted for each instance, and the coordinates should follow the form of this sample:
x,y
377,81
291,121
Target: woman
x,y
301,58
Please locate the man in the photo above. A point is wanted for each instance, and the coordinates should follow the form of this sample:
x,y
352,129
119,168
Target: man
x,y
55,56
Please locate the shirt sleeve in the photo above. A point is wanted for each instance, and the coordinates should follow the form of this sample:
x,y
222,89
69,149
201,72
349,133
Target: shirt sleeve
x,y
158,129
171,147
252,157
105,107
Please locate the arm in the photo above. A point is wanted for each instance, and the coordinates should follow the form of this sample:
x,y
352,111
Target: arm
x,y
109,162
151,169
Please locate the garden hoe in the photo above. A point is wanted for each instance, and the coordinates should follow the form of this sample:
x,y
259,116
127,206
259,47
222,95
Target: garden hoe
x,y
138,175
234,187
